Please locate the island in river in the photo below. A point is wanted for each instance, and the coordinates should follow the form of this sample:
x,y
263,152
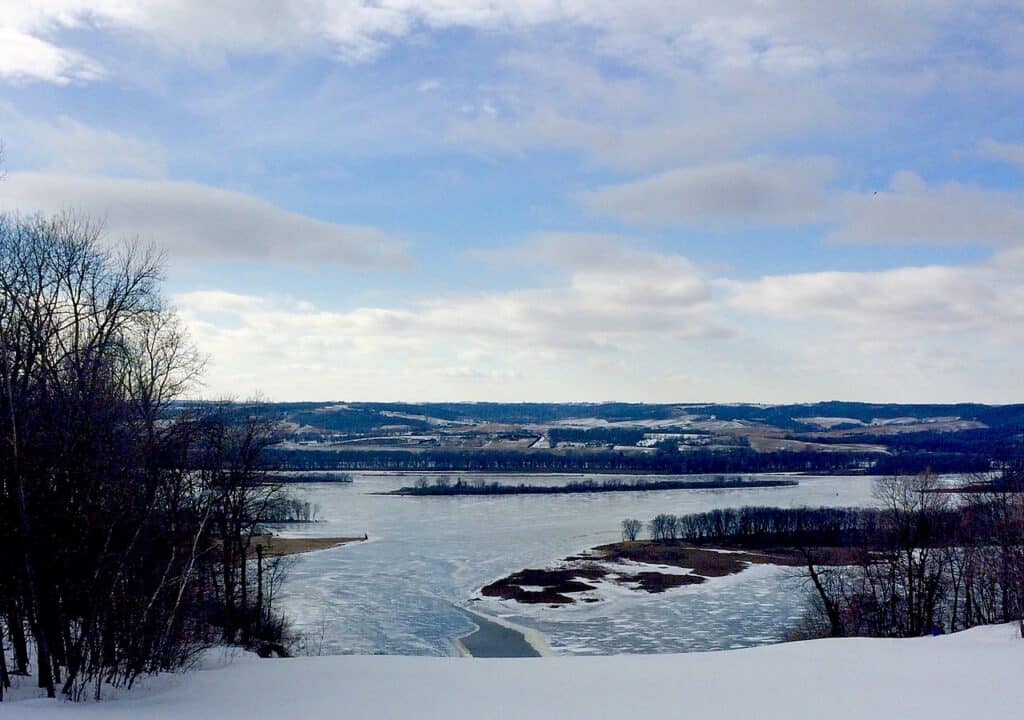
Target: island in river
x,y
443,487
641,565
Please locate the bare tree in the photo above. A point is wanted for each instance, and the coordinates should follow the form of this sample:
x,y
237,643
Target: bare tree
x,y
117,508
631,529
664,528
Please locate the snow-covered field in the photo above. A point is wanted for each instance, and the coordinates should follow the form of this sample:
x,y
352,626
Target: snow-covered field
x,y
975,674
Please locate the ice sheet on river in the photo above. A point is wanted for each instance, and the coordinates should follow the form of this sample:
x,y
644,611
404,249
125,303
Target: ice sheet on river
x,y
398,593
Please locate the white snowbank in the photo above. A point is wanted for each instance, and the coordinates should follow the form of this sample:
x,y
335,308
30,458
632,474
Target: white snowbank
x,y
975,674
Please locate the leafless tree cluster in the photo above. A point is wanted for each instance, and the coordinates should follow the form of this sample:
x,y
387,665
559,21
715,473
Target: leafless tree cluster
x,y
664,528
631,528
288,509
923,574
125,529
755,526
751,526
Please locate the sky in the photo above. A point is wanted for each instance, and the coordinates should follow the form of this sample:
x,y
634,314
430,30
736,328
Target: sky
x,y
548,200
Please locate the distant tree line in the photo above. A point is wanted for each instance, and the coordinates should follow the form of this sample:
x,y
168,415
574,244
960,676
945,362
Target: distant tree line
x,y
669,462
443,486
310,477
126,529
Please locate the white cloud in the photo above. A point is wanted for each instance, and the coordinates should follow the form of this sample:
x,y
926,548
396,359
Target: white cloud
x,y
614,299
631,323
985,300
196,222
756,191
950,213
24,57
911,334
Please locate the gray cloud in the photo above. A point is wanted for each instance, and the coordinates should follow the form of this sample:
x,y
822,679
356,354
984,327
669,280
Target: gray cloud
x,y
193,221
912,211
748,192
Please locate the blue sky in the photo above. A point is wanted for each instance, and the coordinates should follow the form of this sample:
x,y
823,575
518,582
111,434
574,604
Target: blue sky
x,y
548,200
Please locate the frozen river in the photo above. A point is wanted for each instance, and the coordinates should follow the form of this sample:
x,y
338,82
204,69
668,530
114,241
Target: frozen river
x,y
401,592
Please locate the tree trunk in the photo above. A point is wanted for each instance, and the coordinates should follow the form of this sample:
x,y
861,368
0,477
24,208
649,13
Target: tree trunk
x,y
16,625
259,589
5,679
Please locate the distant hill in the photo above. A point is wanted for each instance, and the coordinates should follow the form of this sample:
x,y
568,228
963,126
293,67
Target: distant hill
x,y
826,437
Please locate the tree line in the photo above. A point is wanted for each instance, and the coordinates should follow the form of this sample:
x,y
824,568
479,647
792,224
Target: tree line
x,y
922,560
760,527
126,529
926,574
698,461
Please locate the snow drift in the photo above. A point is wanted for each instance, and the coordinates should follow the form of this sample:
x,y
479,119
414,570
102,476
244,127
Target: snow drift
x,y
972,674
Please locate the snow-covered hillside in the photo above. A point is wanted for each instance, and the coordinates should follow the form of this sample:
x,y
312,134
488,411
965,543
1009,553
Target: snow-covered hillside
x,y
975,674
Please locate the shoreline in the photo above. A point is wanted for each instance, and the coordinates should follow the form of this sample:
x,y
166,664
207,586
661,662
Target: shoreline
x,y
495,637
278,546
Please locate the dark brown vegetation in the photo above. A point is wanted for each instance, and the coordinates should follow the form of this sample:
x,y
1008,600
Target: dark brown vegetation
x,y
555,584
127,528
656,582
703,561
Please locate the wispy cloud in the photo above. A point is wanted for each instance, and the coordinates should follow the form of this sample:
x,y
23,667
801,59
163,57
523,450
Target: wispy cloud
x,y
1012,153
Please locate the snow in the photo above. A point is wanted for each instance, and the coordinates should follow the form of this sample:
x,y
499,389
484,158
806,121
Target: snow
x,y
971,674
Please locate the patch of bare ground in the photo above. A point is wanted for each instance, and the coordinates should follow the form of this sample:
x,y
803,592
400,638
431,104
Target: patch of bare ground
x,y
554,584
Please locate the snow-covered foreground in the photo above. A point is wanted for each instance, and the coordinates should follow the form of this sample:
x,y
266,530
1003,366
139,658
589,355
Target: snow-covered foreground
x,y
974,674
